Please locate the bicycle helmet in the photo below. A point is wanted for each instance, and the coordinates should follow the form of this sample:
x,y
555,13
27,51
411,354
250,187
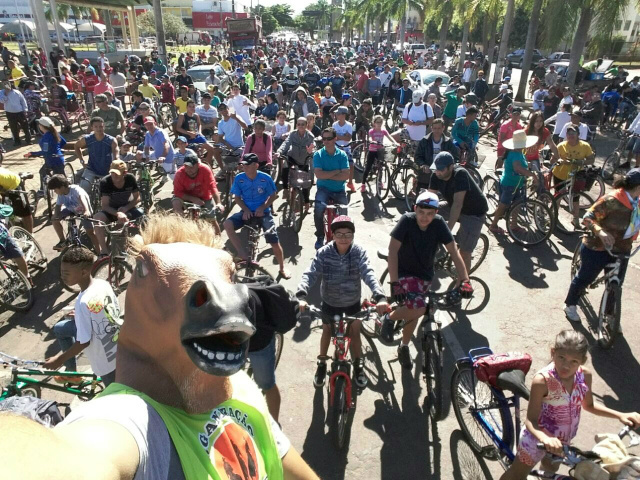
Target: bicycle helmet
x,y
342,221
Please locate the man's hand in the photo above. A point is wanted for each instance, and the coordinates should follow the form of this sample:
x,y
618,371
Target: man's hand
x,y
122,217
426,168
399,295
382,307
259,211
52,363
246,214
220,207
302,305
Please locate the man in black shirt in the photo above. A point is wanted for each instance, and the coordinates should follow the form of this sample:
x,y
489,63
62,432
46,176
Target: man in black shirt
x,y
414,242
183,79
119,197
430,146
551,104
467,203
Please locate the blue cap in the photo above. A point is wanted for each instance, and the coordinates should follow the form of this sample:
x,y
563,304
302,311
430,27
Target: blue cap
x,y
633,176
346,96
442,161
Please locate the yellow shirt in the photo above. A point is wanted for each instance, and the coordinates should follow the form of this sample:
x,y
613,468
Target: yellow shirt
x,y
16,73
8,179
148,90
225,64
578,152
182,104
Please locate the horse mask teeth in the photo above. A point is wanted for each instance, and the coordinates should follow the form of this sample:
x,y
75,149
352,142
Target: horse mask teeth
x,y
217,326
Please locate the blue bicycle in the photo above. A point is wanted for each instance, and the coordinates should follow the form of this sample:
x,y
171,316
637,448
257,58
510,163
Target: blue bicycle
x,y
484,413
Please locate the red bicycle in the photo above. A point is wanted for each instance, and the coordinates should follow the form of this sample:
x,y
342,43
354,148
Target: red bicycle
x,y
342,399
332,211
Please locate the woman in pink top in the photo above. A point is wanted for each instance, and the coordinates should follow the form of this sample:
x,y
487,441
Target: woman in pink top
x,y
559,392
103,86
506,132
376,135
260,143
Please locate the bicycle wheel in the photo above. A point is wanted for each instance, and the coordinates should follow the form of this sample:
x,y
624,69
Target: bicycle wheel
x,y
15,290
410,191
473,400
70,173
475,174
609,315
565,211
382,181
611,167
32,201
339,414
285,215
359,157
30,391
399,179
490,190
529,222
432,371
250,273
279,339
478,255
31,249
70,288
593,193
297,210
117,272
576,261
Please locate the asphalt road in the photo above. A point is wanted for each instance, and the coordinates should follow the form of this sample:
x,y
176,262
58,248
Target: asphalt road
x,y
517,307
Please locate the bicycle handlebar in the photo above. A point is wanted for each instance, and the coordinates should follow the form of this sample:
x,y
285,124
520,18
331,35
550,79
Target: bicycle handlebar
x,y
361,315
15,361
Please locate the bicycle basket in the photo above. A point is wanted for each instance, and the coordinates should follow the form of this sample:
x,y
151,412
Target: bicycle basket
x,y
300,178
72,105
580,181
591,174
488,368
230,163
118,244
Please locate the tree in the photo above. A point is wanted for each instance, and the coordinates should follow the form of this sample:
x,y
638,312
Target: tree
x,y
504,40
532,33
303,23
283,14
173,25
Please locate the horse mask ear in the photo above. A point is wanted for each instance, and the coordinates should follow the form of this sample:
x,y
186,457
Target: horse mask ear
x,y
218,323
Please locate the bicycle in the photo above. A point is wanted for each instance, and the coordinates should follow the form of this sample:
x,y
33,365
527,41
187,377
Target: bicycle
x,y
471,161
411,186
529,221
611,301
50,194
484,414
331,211
16,293
340,386
294,208
379,174
145,182
29,195
432,345
404,168
31,249
26,380
611,166
230,162
249,270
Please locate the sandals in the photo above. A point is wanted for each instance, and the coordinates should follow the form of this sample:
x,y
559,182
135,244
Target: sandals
x,y
496,230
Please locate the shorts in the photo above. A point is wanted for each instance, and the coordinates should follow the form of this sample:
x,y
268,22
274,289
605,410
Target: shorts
x,y
131,214
329,311
634,145
415,288
11,249
509,194
347,150
263,364
267,223
197,139
86,224
18,201
469,232
528,451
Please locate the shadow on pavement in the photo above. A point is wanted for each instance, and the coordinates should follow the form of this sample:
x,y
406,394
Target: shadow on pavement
x,y
467,464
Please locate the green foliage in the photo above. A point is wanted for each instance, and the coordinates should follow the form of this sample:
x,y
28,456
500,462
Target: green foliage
x,y
173,25
274,17
304,24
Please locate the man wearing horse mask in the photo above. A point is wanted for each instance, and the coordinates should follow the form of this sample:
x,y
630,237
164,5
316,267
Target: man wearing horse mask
x,y
180,406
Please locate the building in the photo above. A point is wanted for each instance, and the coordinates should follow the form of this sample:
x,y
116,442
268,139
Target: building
x,y
627,29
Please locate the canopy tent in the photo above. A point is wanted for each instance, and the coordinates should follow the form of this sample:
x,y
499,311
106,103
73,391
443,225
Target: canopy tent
x,y
92,28
115,5
30,27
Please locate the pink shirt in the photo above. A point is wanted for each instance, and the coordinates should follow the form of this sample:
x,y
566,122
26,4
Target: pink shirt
x,y
506,132
103,87
255,144
376,136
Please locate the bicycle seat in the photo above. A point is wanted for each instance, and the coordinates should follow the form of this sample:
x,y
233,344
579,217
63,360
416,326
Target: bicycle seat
x,y
383,254
25,175
513,381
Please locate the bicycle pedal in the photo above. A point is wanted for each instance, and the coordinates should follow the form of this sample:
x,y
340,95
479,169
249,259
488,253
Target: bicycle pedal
x,y
489,452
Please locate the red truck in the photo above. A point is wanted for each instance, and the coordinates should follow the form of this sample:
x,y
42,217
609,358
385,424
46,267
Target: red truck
x,y
244,33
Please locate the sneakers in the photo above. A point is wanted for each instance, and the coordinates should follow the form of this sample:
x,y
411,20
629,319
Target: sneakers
x,y
404,356
358,373
351,187
571,312
386,330
319,243
60,245
321,374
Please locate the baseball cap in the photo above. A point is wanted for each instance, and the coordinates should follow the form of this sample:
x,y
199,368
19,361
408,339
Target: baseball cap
x,y
86,61
206,95
416,96
442,161
346,96
504,86
126,142
249,158
633,176
165,76
46,122
149,120
576,111
182,138
190,159
342,111
427,200
118,166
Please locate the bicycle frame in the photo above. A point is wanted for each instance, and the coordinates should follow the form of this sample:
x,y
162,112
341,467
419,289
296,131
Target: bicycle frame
x,y
341,343
23,377
611,276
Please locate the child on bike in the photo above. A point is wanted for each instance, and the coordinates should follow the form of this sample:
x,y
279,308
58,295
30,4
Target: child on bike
x,y
96,322
342,265
558,394
376,135
9,248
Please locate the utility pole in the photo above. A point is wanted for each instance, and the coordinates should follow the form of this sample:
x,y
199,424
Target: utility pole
x,y
160,40
233,8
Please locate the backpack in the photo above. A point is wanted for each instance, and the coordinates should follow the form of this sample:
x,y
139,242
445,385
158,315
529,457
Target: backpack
x,y
426,114
273,307
253,141
45,412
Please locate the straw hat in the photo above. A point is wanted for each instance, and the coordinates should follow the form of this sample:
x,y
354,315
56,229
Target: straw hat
x,y
520,140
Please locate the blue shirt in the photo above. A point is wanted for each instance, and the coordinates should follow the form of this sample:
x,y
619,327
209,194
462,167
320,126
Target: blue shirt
x,y
100,153
326,162
157,142
509,177
51,150
253,192
232,132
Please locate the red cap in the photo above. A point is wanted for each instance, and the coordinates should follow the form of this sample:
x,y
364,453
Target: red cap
x,y
86,61
149,120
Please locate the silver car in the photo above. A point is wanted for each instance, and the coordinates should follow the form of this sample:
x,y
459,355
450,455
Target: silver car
x,y
421,79
199,74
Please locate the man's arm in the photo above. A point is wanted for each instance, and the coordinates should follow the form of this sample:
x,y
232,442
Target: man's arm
x,y
452,248
114,149
239,120
295,468
121,122
392,259
456,208
80,144
179,128
134,201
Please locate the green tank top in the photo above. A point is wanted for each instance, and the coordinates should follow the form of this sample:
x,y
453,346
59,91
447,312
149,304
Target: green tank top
x,y
233,439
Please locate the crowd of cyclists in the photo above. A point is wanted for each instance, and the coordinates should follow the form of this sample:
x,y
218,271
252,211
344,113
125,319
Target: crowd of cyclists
x,y
284,108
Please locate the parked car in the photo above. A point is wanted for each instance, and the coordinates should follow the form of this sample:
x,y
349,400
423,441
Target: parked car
x,y
420,79
417,48
200,72
515,57
557,57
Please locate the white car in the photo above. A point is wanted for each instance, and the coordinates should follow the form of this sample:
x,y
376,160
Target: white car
x,y
421,79
417,48
200,73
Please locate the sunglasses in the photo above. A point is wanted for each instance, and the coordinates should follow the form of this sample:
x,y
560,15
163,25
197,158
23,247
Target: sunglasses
x,y
327,139
343,235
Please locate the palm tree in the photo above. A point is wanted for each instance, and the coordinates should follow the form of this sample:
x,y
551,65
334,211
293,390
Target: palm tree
x,y
504,40
532,33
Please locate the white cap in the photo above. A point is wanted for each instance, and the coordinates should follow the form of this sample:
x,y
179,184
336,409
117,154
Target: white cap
x,y
46,122
504,86
417,96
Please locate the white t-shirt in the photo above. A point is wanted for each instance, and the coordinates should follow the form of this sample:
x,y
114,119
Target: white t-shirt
x,y
461,111
237,104
343,130
97,317
584,131
207,116
73,201
437,147
416,113
385,78
562,118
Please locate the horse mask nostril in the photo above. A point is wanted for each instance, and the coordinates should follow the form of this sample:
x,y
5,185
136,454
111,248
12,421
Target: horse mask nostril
x,y
211,303
200,296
